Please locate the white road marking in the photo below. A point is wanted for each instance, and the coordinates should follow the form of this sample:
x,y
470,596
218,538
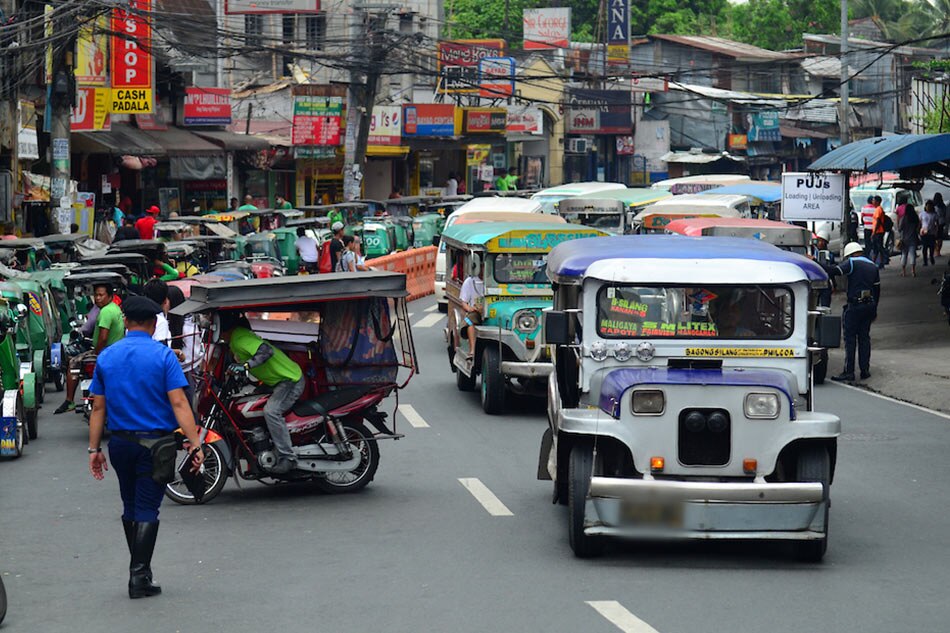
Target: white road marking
x,y
617,615
410,314
429,320
412,416
939,414
486,497
432,308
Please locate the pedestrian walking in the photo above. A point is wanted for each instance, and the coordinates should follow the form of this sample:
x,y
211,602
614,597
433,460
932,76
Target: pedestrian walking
x,y
943,220
143,407
864,293
929,228
867,225
347,263
880,231
909,231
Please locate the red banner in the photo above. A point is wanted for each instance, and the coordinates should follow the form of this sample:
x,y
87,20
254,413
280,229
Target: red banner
x,y
131,46
207,106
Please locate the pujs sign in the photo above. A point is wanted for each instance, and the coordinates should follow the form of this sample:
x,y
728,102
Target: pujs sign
x,y
813,196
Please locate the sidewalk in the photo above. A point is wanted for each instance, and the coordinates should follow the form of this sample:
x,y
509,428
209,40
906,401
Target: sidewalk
x,y
910,340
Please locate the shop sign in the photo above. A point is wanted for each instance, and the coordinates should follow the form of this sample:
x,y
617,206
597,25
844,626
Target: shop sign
x,y
649,84
477,154
496,77
618,31
198,186
92,45
545,29
527,120
385,126
28,145
458,63
314,151
625,145
131,46
485,120
428,119
764,126
207,106
126,101
242,7
598,112
317,120
91,111
738,141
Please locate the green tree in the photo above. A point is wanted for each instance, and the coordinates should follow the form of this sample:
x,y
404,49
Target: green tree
x,y
779,24
487,19
937,119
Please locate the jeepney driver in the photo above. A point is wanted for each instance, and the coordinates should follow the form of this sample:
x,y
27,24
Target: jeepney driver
x,y
276,370
727,312
471,296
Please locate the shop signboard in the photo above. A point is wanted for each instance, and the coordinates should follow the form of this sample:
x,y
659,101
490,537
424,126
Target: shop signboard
x,y
92,46
813,197
738,141
625,145
525,120
485,120
317,120
477,154
28,144
649,84
207,106
618,31
496,77
91,112
598,112
243,7
428,119
385,126
131,60
764,126
458,63
546,29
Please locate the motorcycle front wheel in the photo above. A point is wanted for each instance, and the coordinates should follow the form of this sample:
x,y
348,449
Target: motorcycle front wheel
x,y
214,470
361,440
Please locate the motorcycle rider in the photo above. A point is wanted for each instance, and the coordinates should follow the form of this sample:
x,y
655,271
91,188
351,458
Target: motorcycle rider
x,y
275,369
110,327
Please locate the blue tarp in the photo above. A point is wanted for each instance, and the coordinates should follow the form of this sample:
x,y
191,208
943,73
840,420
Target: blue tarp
x,y
887,153
766,192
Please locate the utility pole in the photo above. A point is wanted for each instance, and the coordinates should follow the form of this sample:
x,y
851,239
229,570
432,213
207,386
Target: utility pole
x,y
844,109
62,97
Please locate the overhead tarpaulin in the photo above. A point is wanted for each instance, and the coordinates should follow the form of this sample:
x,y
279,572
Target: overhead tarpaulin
x,y
198,167
121,140
698,158
179,142
889,153
232,141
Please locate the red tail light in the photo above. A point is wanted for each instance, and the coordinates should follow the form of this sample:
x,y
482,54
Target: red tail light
x,y
88,369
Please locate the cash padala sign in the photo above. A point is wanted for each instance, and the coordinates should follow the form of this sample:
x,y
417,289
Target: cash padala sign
x,y
813,196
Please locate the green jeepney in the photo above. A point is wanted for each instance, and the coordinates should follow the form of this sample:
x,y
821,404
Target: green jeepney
x,y
508,354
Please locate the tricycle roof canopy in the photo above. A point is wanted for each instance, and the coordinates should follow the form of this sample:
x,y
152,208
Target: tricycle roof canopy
x,y
87,279
630,197
889,153
293,293
649,255
480,233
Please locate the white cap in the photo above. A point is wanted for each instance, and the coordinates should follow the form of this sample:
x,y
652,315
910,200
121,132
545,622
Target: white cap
x,y
851,249
823,233
337,226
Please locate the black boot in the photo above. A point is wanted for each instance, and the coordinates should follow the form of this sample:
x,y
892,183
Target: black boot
x,y
140,571
129,527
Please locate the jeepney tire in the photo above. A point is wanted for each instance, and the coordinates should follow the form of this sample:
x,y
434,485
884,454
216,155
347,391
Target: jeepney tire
x,y
493,381
814,464
579,474
450,349
820,370
463,382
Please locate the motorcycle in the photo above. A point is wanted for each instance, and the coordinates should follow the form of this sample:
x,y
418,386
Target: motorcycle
x,y
330,426
79,345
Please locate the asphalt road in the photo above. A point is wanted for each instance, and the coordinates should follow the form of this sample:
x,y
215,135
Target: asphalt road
x,y
418,551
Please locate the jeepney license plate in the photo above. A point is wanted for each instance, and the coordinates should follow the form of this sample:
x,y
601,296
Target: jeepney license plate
x,y
652,514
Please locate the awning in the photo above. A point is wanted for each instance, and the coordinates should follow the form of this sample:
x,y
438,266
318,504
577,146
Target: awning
x,y
697,157
232,141
392,151
181,142
889,153
121,140
790,131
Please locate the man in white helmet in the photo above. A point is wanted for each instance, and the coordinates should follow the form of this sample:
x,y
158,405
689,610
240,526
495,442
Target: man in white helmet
x,y
820,244
864,294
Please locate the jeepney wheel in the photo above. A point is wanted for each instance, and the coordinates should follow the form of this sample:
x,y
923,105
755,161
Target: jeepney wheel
x,y
814,464
493,381
579,471
821,368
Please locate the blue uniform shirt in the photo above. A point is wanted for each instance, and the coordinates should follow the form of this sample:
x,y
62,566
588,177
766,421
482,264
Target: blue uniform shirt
x,y
864,280
135,375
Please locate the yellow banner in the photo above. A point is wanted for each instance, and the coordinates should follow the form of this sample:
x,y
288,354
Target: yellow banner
x,y
131,101
92,52
742,352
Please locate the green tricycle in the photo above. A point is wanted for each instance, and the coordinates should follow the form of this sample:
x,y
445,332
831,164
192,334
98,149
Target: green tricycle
x,y
378,238
16,359
427,229
17,423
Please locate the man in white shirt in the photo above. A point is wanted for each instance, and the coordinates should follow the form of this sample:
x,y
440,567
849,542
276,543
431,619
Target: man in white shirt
x,y
471,295
452,185
307,247
157,291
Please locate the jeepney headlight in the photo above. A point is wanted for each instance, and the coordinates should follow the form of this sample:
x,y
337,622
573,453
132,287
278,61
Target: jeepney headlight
x,y
598,351
761,406
648,402
623,352
526,322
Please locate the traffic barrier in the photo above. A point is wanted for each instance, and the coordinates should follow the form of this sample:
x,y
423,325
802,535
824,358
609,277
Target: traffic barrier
x,y
418,264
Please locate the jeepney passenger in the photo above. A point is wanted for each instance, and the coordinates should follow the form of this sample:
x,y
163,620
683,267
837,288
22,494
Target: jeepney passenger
x,y
471,296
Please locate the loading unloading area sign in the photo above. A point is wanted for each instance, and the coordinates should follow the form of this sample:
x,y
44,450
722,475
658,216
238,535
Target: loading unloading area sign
x,y
813,196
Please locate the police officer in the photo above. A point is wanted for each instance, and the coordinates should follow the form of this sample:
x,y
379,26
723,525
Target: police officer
x,y
819,249
140,405
864,293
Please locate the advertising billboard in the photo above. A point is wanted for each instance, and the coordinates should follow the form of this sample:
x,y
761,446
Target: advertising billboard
x,y
618,31
598,112
317,120
92,48
131,60
385,126
458,63
496,77
428,119
207,106
545,29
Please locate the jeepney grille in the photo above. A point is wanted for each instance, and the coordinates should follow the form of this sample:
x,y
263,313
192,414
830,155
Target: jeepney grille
x,y
709,444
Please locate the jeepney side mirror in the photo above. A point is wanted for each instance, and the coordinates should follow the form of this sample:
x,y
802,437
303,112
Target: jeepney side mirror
x,y
828,331
556,327
21,310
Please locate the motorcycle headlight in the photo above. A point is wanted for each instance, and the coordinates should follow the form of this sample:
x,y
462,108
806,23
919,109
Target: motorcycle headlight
x,y
761,406
526,322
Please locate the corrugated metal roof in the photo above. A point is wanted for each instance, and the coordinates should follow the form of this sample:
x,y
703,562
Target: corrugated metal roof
x,y
856,42
697,158
725,95
887,153
727,48
821,66
814,111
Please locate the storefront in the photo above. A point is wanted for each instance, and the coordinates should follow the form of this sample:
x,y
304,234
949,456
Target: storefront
x,y
486,155
432,132
386,165
319,116
528,130
594,121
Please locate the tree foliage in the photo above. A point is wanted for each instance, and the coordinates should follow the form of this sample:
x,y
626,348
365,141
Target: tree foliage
x,y
779,24
937,119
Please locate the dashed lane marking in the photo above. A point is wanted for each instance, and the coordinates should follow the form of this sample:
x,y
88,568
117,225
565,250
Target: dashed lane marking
x,y
616,614
432,308
412,416
939,414
486,497
429,320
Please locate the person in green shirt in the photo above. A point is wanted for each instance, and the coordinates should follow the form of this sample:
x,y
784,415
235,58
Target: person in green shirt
x,y
110,327
275,369
164,271
248,204
282,203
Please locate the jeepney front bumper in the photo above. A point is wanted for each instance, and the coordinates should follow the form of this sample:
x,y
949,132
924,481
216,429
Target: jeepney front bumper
x,y
526,369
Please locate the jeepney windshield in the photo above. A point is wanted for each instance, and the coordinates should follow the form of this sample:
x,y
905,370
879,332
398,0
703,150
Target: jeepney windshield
x,y
691,312
520,268
261,249
612,222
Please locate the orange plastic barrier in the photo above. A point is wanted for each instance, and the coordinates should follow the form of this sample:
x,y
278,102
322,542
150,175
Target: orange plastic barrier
x,y
418,264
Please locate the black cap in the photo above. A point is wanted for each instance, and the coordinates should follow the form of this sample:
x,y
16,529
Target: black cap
x,y
140,309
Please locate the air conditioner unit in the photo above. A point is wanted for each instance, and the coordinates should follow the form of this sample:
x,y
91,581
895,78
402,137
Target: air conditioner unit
x,y
578,145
